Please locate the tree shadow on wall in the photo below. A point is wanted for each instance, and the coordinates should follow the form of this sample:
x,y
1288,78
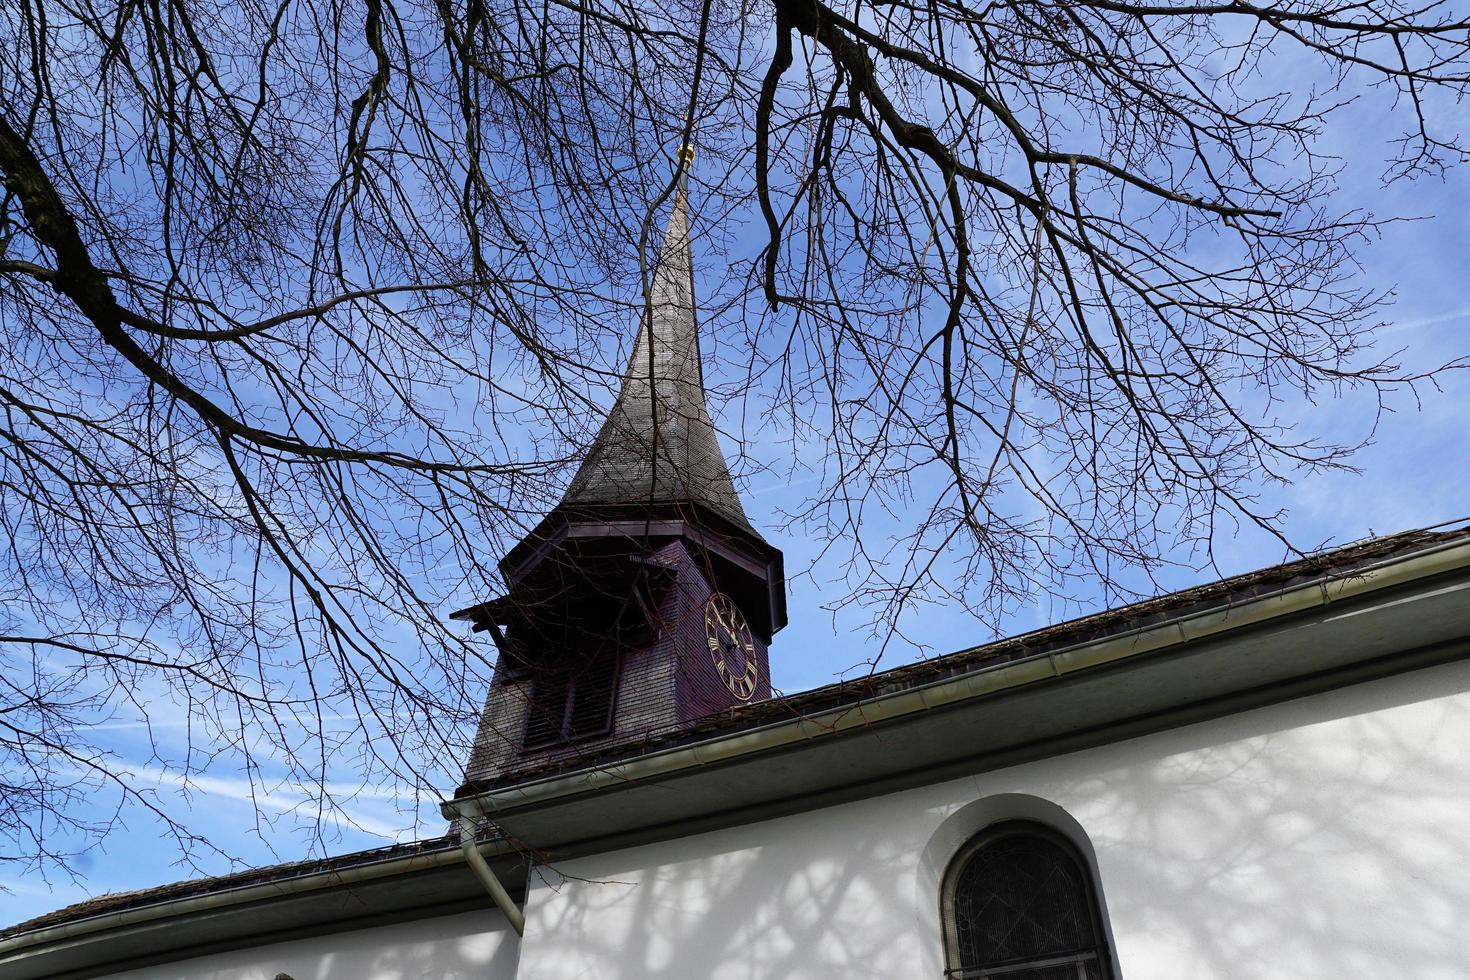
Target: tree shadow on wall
x,y
1323,837
476,945
1326,837
770,901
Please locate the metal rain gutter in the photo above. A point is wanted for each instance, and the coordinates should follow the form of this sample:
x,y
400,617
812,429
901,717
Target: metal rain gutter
x,y
1189,628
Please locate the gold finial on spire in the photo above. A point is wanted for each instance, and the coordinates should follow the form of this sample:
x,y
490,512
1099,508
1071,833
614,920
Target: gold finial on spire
x,y
686,155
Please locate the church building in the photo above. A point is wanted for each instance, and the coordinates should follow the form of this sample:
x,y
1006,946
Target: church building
x,y
1263,777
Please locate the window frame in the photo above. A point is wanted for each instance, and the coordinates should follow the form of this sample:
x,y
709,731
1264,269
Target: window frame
x,y
954,969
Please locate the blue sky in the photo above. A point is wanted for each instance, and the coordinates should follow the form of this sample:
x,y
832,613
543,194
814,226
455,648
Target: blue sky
x,y
1412,475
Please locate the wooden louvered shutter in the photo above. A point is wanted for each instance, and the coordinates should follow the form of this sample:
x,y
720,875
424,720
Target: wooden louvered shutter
x,y
571,704
593,692
546,718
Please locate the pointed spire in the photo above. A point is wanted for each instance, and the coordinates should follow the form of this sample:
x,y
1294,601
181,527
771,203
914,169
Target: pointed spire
x,y
658,444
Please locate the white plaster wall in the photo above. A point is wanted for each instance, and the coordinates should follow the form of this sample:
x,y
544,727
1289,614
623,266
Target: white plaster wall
x,y
1324,838
475,945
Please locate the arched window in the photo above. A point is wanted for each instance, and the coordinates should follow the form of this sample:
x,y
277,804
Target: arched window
x,y
1019,904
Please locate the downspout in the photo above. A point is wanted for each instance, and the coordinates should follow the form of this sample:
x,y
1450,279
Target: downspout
x,y
481,868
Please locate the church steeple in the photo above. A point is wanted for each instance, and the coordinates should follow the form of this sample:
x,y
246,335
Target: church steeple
x,y
658,444
645,600
655,469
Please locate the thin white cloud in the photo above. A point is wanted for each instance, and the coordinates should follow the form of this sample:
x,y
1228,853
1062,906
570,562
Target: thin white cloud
x,y
1450,316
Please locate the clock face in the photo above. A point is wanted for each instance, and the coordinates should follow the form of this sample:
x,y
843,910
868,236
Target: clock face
x,y
731,645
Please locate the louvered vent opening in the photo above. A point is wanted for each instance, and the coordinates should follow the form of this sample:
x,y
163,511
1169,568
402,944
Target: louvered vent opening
x,y
547,716
571,704
590,713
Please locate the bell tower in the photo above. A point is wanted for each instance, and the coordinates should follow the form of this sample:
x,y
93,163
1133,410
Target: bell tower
x,y
645,600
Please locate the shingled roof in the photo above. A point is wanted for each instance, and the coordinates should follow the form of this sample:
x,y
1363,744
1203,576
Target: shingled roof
x,y
1337,563
658,444
119,901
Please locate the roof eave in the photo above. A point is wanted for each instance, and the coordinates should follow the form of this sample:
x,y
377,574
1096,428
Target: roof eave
x,y
1180,670
331,899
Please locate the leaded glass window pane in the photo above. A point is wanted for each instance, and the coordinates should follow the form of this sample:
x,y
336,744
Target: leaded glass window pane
x,y
1022,909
